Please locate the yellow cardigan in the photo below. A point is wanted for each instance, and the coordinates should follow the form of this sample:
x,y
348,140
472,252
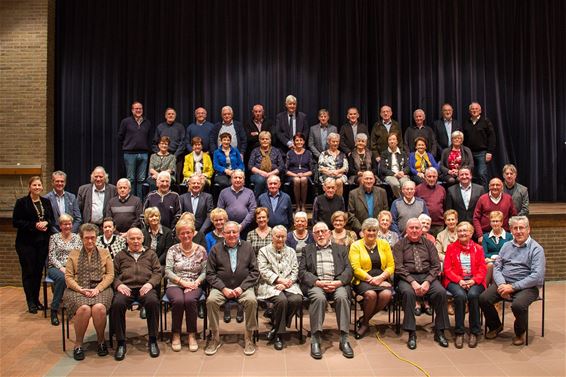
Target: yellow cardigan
x,y
361,262
189,166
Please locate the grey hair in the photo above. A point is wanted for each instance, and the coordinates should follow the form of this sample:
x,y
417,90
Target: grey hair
x,y
300,214
362,136
278,228
370,222
103,171
230,223
59,173
229,108
333,135
239,171
519,219
319,224
290,98
424,216
88,227
124,180
164,173
328,181
457,133
408,183
65,217
431,168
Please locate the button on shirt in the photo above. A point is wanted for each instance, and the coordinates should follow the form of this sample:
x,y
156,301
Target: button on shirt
x,y
369,202
387,126
466,194
448,128
60,202
194,201
97,209
233,252
325,263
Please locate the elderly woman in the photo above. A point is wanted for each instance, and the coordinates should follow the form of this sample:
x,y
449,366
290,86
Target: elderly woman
x,y
493,241
161,161
454,157
332,163
185,272
218,216
448,235
279,270
264,162
60,245
299,168
300,237
464,278
156,237
385,219
373,266
260,236
420,160
360,160
89,274
33,217
198,237
109,239
340,235
226,159
197,162
394,165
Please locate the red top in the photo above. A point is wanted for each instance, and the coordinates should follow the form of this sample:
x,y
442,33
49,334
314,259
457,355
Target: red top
x,y
453,272
484,206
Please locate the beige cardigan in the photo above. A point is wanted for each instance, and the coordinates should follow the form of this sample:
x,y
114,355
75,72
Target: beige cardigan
x,y
71,270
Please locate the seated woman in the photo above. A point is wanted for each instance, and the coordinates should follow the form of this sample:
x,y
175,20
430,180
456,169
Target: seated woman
x,y
60,245
157,237
420,160
226,159
373,266
260,236
394,165
384,232
218,216
198,237
264,162
197,162
299,168
464,278
493,241
454,157
89,273
109,239
341,235
360,160
300,237
332,163
185,270
161,161
448,235
279,272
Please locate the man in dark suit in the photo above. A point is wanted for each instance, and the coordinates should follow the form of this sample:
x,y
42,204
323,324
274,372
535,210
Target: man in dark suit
x,y
288,123
63,201
365,201
319,133
382,129
325,274
444,127
350,130
463,197
93,197
253,127
198,203
231,126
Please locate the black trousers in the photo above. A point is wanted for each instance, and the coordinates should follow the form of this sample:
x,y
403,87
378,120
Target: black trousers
x,y
32,261
121,303
285,305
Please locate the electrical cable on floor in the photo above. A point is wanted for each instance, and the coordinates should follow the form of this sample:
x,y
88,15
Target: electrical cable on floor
x,y
399,357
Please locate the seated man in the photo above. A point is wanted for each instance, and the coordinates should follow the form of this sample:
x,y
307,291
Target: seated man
x,y
136,274
417,268
165,200
517,274
326,204
277,202
125,209
231,272
325,274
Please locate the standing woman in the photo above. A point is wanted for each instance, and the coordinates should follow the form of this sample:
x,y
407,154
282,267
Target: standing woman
x,y
33,217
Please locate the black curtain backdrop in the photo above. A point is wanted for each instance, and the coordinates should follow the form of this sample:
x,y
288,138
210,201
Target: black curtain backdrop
x,y
507,55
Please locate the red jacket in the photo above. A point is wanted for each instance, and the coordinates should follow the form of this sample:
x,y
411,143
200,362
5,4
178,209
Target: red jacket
x,y
453,267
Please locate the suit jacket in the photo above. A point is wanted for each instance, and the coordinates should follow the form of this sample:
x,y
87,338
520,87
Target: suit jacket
x,y
24,219
283,132
358,208
219,274
71,208
442,139
283,213
315,141
253,141
378,139
307,266
84,199
347,139
240,134
202,212
455,201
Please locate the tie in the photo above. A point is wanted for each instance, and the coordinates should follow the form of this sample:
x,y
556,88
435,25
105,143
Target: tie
x,y
292,125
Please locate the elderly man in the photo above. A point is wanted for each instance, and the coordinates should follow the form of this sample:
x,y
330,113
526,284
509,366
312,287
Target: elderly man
x,y
517,274
174,130
165,200
494,200
417,269
125,209
382,129
288,123
137,273
518,192
201,128
232,273
198,203
238,201
406,207
326,204
420,129
277,202
93,198
319,133
325,274
444,127
464,196
231,126
63,201
365,201
254,126
350,130
434,196
279,272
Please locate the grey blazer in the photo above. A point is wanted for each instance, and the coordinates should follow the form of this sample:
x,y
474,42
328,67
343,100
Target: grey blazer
x,y
84,199
315,141
358,207
71,208
307,266
520,195
205,205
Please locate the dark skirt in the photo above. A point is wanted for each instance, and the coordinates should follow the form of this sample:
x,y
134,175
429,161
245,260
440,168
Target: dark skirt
x,y
73,300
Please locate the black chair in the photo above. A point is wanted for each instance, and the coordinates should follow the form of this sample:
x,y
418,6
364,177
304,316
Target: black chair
x,y
47,281
391,308
266,304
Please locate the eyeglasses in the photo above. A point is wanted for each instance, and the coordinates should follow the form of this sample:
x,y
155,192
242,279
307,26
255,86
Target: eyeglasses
x,y
320,231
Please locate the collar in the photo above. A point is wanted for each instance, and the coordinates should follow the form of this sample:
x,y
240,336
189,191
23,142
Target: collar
x,y
525,244
57,195
327,246
125,199
395,151
386,123
494,198
195,196
278,194
136,252
447,120
229,124
240,190
163,195
503,234
231,247
411,202
97,190
466,188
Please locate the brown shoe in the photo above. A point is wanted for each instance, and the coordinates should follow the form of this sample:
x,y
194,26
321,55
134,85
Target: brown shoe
x,y
473,341
519,340
492,334
459,341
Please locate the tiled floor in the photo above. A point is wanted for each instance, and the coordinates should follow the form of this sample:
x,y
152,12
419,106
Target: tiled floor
x,y
30,346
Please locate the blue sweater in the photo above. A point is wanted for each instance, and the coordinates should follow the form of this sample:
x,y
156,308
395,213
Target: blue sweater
x,y
201,130
521,266
134,138
283,214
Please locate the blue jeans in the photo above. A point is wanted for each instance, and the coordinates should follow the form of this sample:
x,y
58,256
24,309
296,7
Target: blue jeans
x,y
58,286
481,173
136,170
260,184
472,296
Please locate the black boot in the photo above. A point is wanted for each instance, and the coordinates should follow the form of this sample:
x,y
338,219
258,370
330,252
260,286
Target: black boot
x,y
54,319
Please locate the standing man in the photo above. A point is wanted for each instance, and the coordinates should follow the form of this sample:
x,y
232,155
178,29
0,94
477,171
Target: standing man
x,y
253,127
406,207
63,202
420,129
479,136
165,200
124,209
288,123
319,133
277,202
444,127
93,197
464,196
325,274
517,274
494,200
231,126
238,201
518,192
350,130
366,201
198,203
135,135
382,129
201,128
434,196
175,131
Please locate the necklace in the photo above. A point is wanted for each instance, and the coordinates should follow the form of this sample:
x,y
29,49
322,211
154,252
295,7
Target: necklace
x,y
371,250
39,210
300,155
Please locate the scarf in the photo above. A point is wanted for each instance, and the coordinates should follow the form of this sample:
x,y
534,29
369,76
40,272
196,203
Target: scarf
x,y
89,273
422,162
198,162
265,164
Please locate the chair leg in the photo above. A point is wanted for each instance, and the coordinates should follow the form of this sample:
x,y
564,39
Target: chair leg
x,y
63,329
527,330
44,299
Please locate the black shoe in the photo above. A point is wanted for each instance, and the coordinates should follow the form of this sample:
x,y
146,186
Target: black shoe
x,y
120,353
102,349
39,306
440,339
361,332
200,311
271,334
32,308
316,353
346,349
412,342
268,313
54,319
278,343
359,322
227,315
418,311
143,315
153,349
240,315
78,354
428,310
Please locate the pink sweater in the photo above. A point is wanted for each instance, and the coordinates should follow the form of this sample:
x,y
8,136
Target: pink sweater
x,y
485,205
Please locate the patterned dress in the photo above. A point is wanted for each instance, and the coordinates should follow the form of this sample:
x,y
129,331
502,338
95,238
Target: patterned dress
x,y
328,161
59,249
116,244
257,242
179,265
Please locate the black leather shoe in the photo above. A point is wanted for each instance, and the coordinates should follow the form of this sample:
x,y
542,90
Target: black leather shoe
x,y
54,319
39,306
271,334
153,349
200,311
102,350
316,353
412,342
240,315
428,310
418,311
361,332
120,353
32,308
227,316
278,343
78,354
440,339
346,349
268,313
143,314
